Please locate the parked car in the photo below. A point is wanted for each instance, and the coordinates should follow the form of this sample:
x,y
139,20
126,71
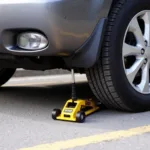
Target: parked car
x,y
109,40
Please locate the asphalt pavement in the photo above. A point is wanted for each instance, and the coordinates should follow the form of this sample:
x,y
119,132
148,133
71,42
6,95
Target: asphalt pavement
x,y
26,124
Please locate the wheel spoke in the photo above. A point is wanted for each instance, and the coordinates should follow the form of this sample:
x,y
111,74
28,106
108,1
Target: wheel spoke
x,y
135,28
138,74
144,85
129,50
132,72
146,19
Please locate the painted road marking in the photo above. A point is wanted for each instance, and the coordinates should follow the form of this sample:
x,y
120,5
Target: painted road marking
x,y
83,141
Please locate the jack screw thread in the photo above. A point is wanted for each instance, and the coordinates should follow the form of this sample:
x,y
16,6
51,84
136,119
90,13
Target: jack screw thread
x,y
74,96
73,86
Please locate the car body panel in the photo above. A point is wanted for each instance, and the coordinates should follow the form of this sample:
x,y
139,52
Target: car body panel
x,y
66,23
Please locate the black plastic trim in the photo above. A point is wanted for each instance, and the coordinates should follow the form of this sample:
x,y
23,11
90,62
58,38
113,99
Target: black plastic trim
x,y
87,55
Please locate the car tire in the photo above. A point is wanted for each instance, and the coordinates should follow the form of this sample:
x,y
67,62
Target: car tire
x,y
108,78
5,75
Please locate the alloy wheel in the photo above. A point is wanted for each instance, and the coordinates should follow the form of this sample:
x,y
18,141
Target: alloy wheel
x,y
136,52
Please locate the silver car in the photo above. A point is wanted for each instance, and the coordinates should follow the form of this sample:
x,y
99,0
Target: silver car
x,y
109,40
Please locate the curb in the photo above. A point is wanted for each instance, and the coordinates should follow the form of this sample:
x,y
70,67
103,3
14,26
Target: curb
x,y
30,73
45,80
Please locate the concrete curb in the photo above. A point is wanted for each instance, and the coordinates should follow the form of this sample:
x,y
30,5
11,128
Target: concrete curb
x,y
46,80
30,73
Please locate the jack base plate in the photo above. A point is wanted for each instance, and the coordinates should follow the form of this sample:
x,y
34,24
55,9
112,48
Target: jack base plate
x,y
75,111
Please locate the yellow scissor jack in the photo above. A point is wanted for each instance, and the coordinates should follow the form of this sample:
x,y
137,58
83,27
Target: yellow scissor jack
x,y
75,109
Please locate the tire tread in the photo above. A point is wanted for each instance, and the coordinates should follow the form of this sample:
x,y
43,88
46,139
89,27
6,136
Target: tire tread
x,y
99,76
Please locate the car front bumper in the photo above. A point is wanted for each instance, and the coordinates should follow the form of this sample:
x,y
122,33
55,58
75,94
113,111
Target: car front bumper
x,y
67,24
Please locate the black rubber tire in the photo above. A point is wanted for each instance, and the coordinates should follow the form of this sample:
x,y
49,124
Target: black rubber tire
x,y
107,78
5,75
56,113
80,117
